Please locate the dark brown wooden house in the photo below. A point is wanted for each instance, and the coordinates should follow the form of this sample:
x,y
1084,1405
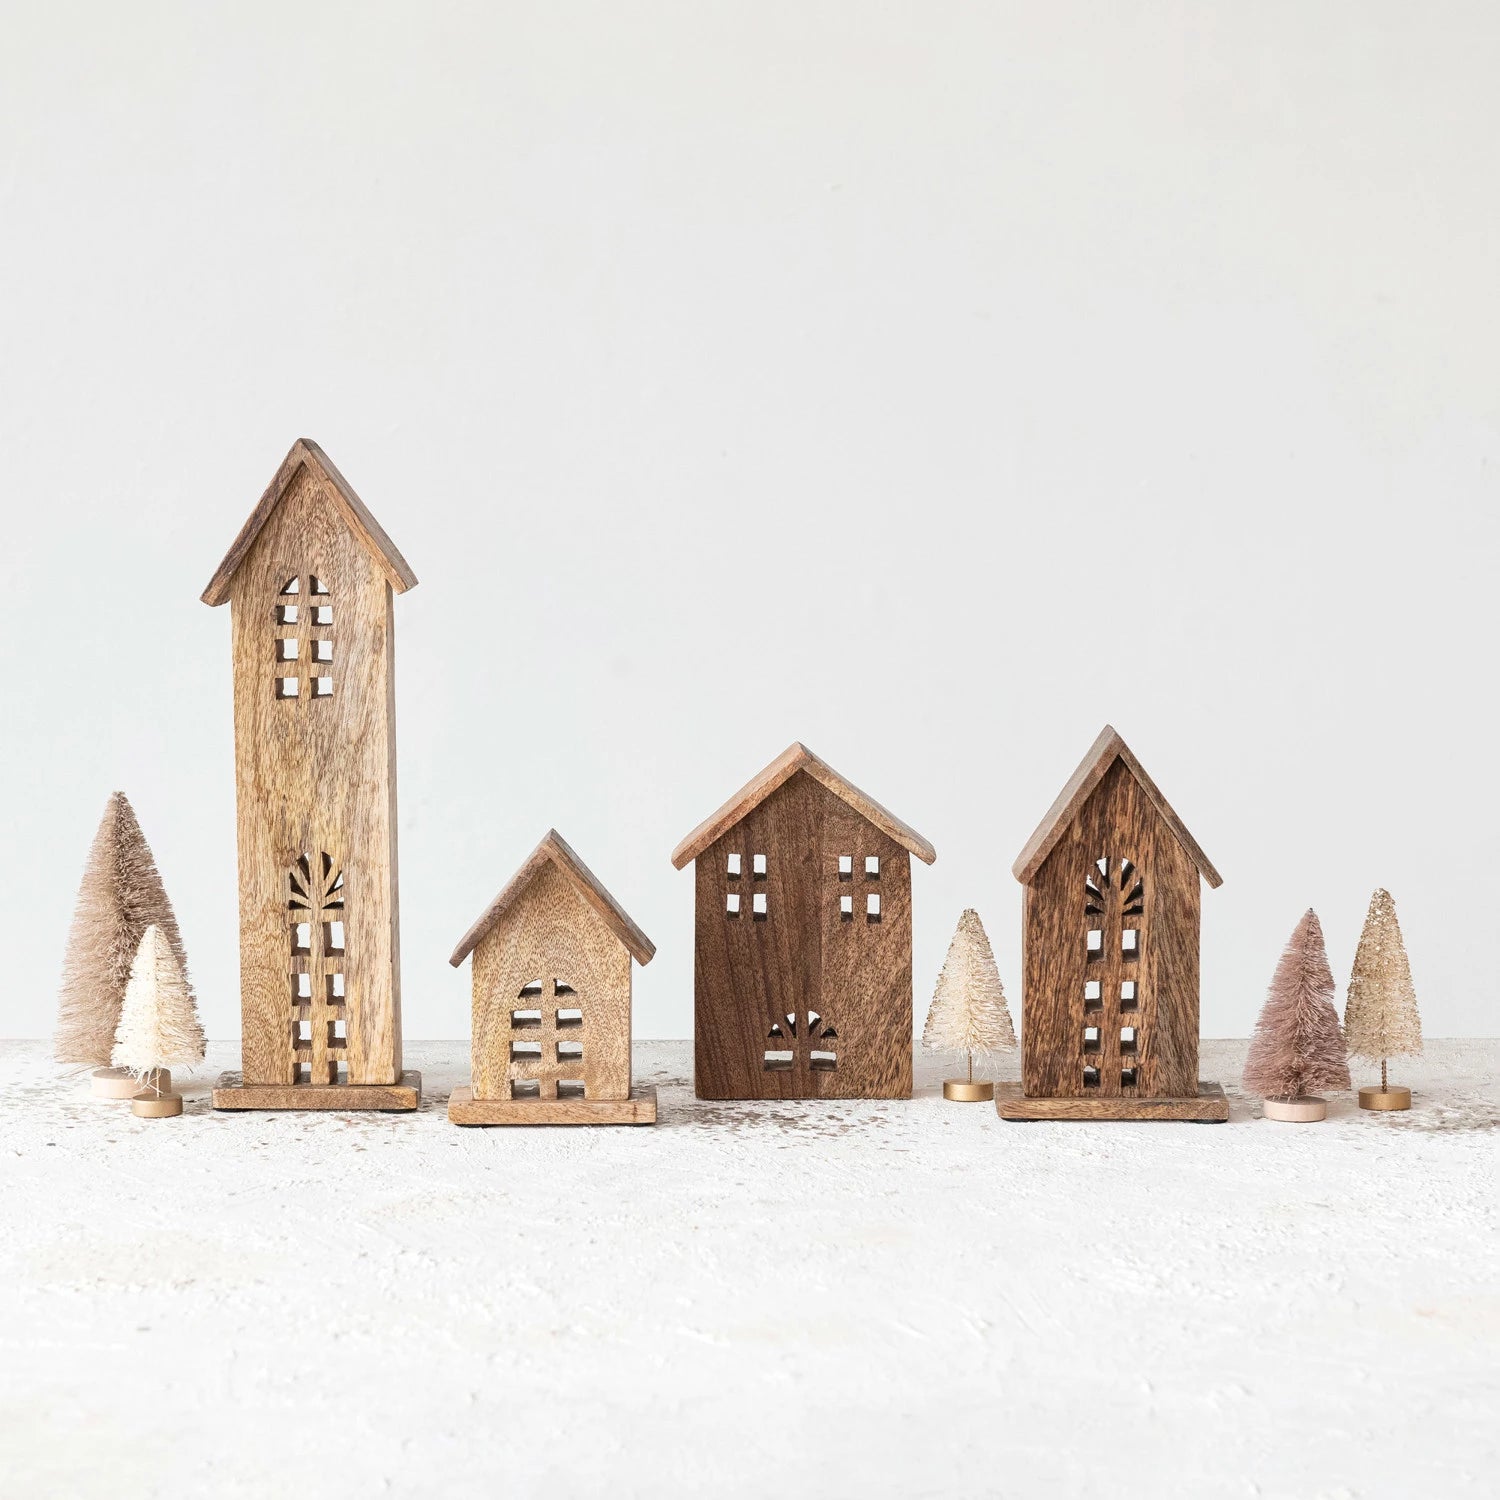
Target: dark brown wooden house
x,y
802,963
1109,1004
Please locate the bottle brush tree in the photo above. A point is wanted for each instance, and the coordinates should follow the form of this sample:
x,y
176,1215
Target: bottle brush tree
x,y
968,1012
1298,1048
120,896
1380,1012
159,1026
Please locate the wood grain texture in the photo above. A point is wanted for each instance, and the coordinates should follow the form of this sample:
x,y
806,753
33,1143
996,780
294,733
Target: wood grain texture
x,y
638,1109
400,1097
1103,754
1207,1105
316,797
802,979
556,850
1118,822
306,455
794,759
551,951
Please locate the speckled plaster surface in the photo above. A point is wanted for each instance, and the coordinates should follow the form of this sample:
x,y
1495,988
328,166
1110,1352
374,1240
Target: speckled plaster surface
x,y
859,1298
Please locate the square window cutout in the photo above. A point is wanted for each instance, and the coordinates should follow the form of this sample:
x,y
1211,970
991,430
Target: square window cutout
x,y
758,865
846,907
1096,942
734,867
286,648
872,907
1128,941
1128,999
872,866
732,903
322,687
758,904
1093,998
288,687
846,867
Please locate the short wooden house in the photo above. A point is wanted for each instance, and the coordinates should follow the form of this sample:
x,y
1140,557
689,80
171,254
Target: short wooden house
x,y
802,963
309,581
1109,1004
551,983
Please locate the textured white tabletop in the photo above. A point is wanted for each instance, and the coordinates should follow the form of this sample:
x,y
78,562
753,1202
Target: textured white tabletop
x,y
906,1298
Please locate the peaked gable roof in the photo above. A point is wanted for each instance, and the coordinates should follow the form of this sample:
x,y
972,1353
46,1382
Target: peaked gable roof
x,y
554,850
797,757
1103,753
359,520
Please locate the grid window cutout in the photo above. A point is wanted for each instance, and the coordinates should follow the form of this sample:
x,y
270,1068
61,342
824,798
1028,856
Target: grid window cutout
x,y
546,1041
758,866
734,866
872,907
758,906
1095,942
872,866
778,1060
303,634
1130,942
1128,995
846,867
1127,1038
732,904
316,913
1127,1078
1090,1038
1093,997
846,908
1091,1077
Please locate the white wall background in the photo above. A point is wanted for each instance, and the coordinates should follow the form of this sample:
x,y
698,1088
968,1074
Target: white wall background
x,y
932,383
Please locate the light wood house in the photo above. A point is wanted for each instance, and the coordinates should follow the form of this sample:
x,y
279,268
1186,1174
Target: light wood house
x,y
551,975
802,962
1109,1004
309,581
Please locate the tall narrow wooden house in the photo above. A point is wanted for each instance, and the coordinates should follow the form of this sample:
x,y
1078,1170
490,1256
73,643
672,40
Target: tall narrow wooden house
x,y
1109,1003
310,581
802,961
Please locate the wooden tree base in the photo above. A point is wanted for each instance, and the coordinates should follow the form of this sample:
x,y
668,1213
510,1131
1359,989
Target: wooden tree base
x,y
968,1091
638,1109
1209,1107
1398,1096
1300,1111
114,1083
392,1098
154,1106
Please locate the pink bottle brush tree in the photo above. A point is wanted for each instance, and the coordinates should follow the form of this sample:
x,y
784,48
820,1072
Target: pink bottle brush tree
x,y
1298,1049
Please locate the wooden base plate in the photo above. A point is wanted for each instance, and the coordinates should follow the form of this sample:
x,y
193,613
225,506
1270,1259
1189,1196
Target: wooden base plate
x,y
1396,1097
1300,1111
1208,1107
638,1109
966,1091
393,1098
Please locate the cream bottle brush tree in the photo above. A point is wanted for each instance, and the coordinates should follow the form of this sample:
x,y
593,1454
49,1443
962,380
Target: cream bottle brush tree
x,y
121,894
1298,1049
159,1026
1380,1011
968,1013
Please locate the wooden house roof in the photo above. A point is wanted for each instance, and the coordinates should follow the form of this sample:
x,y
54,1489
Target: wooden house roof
x,y
356,517
1104,752
555,850
797,757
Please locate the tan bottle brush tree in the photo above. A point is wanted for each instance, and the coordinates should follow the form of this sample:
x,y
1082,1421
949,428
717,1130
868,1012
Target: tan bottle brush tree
x,y
1298,1049
1380,1013
968,1012
121,894
159,1026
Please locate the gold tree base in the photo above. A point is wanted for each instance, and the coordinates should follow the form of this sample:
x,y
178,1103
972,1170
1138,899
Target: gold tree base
x,y
154,1106
967,1090
1299,1111
1396,1096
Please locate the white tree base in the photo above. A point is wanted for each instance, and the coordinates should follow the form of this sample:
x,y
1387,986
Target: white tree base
x,y
1301,1110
